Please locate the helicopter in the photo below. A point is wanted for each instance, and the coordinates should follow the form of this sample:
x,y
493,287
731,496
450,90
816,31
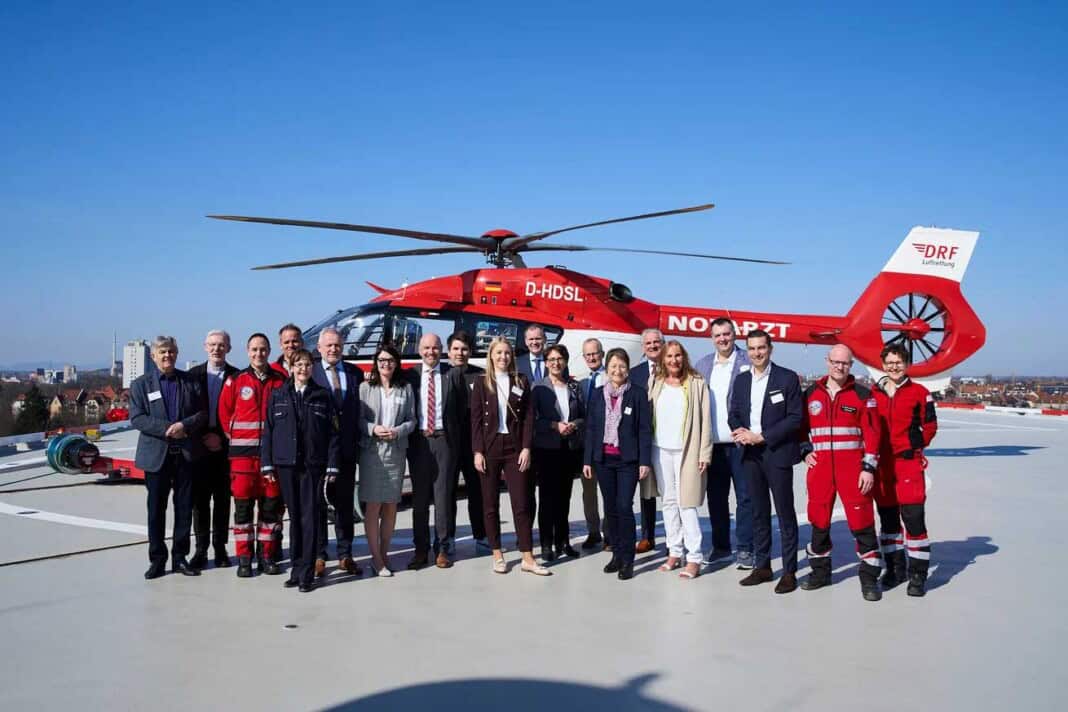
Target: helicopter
x,y
914,301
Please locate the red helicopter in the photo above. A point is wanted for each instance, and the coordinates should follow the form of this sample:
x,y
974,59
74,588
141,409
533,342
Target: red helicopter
x,y
914,301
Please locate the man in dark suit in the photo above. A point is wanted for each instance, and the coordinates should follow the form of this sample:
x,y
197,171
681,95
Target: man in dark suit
x,y
643,375
593,355
532,363
460,345
169,410
431,453
343,381
212,480
765,417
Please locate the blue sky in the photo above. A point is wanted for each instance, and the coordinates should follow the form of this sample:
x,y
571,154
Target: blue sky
x,y
823,133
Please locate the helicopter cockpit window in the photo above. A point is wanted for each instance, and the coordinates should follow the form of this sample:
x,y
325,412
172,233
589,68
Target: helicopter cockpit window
x,y
406,331
360,328
487,331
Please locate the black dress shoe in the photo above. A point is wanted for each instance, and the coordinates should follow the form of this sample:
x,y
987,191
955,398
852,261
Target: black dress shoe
x,y
155,571
307,587
568,550
626,572
181,566
419,561
199,560
756,577
548,553
244,567
591,542
291,583
786,584
612,566
222,559
271,568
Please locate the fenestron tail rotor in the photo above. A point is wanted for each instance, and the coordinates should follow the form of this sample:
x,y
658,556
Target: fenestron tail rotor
x,y
918,322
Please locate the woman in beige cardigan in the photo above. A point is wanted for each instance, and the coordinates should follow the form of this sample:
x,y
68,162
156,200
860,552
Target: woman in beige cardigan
x,y
682,449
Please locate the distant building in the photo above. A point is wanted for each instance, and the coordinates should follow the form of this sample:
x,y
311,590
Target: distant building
x,y
135,360
51,376
70,373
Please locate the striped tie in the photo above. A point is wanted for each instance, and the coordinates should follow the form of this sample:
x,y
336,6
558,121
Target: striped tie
x,y
431,399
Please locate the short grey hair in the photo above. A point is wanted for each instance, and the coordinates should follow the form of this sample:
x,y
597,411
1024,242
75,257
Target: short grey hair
x,y
652,331
329,330
218,332
593,340
161,341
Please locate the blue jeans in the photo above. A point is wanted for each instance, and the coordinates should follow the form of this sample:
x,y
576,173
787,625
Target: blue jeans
x,y
619,481
726,466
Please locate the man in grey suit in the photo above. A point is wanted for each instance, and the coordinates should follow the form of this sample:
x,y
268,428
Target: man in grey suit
x,y
642,375
432,450
720,369
593,355
169,410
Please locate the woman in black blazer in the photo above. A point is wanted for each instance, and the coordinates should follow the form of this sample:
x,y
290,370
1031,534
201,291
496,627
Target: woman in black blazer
x,y
619,443
558,429
502,433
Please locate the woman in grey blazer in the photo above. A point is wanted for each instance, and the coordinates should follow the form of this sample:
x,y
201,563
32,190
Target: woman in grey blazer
x,y
387,417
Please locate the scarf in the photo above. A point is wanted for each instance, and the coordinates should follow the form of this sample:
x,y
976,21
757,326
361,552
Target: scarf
x,y
613,414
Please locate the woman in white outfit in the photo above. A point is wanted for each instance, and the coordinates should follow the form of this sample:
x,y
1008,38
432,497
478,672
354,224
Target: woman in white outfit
x,y
682,449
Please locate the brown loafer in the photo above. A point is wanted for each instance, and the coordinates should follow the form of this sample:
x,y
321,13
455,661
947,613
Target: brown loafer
x,y
756,577
442,562
320,567
786,584
643,546
349,566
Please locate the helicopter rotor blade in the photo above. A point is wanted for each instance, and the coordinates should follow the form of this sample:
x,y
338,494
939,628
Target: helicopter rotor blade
x,y
516,242
583,248
482,243
370,256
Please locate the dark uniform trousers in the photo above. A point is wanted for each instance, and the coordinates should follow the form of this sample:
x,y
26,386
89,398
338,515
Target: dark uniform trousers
x,y
618,481
556,477
465,463
344,492
431,466
212,482
175,476
301,491
766,482
505,463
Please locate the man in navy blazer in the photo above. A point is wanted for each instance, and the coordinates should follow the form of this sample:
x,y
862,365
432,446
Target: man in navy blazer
x,y
343,381
642,375
532,363
168,408
765,417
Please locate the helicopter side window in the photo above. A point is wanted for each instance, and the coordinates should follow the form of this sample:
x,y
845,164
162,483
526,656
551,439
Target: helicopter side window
x,y
488,330
361,334
406,331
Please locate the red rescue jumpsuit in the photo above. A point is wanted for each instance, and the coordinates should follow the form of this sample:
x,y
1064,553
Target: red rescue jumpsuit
x,y
243,405
844,432
909,424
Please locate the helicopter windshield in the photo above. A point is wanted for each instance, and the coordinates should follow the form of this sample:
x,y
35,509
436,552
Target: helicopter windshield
x,y
361,330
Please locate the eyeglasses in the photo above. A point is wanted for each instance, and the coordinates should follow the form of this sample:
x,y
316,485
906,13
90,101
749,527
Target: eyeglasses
x,y
893,364
385,361
554,359
840,364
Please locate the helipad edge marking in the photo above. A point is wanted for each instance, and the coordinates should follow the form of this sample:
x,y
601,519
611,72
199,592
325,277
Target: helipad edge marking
x,y
74,521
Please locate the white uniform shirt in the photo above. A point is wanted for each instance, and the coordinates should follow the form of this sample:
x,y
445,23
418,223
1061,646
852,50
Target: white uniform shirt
x,y
719,386
424,386
756,398
503,387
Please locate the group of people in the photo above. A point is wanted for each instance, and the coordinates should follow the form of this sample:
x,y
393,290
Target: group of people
x,y
291,434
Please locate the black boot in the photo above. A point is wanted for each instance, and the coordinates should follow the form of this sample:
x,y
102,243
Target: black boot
x,y
821,572
244,567
896,572
917,584
199,560
869,583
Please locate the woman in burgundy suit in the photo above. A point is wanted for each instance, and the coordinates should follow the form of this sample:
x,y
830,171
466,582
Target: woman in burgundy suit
x,y
502,433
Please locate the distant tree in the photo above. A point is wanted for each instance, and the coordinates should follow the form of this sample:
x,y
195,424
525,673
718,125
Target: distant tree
x,y
33,417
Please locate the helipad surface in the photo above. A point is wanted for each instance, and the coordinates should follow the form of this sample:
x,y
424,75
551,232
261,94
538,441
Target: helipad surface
x,y
87,631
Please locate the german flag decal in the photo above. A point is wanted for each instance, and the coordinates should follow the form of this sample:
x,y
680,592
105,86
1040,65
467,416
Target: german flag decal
x,y
493,286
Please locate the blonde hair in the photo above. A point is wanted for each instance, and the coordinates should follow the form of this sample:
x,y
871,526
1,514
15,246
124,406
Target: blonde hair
x,y
491,370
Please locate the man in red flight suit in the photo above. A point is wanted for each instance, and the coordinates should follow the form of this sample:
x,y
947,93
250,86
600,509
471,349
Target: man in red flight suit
x,y
841,434
242,411
909,423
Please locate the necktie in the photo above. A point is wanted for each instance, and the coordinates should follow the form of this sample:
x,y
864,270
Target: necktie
x,y
537,369
593,385
335,382
431,399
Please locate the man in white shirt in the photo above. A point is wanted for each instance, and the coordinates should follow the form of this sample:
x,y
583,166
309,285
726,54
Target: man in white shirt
x,y
720,369
432,449
593,355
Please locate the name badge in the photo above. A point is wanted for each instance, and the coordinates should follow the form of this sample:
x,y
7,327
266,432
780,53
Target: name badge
x,y
154,395
626,411
517,390
777,398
